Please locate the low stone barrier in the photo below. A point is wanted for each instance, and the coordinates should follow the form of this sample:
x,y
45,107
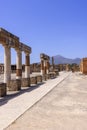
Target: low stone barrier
x,y
33,80
14,85
25,82
3,90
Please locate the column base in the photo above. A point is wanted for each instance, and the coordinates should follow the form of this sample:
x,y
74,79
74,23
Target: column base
x,y
3,89
39,79
52,75
14,85
33,80
44,77
25,82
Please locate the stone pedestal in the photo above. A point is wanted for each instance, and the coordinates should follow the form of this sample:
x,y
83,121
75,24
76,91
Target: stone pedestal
x,y
56,72
52,75
3,90
14,85
25,82
44,77
39,79
33,80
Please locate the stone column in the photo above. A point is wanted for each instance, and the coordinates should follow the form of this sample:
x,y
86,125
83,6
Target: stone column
x,y
53,63
19,64
47,66
42,66
7,64
27,65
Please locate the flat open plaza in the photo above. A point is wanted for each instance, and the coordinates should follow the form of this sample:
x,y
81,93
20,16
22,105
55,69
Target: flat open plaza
x,y
58,104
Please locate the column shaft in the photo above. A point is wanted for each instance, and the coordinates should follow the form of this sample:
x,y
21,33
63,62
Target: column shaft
x,y
42,67
7,64
47,67
19,65
27,65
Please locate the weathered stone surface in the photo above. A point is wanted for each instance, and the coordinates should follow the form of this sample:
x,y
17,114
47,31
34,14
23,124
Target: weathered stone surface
x,y
3,90
14,85
25,82
56,72
44,77
35,67
39,78
52,75
83,66
44,64
33,80
18,72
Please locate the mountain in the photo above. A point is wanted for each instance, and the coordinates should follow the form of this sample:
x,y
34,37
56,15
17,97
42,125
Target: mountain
x,y
58,59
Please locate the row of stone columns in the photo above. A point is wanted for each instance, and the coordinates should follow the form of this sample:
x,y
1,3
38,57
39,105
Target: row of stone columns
x,y
7,64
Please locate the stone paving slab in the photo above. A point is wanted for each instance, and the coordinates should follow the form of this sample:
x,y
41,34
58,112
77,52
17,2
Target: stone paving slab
x,y
15,107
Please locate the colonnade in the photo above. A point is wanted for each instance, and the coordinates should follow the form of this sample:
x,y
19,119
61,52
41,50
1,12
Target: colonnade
x,y
8,40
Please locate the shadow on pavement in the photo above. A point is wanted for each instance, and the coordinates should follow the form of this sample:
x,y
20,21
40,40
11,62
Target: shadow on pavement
x,y
13,94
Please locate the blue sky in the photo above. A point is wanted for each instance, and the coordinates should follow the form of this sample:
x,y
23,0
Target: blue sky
x,y
49,26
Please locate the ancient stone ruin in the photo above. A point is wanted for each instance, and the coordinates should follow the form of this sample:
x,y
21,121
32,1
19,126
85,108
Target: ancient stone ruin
x,y
8,41
83,66
44,63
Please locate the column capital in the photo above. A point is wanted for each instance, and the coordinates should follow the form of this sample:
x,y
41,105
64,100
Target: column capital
x,y
6,46
18,50
42,59
26,53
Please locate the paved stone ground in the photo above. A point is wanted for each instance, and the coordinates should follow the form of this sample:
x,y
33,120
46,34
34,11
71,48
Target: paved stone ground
x,y
64,108
15,104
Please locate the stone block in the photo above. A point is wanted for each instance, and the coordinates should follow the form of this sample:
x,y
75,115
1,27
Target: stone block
x,y
39,78
3,89
25,82
14,85
52,75
33,80
44,77
56,72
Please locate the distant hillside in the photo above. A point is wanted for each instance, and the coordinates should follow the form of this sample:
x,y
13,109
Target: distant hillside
x,y
58,59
